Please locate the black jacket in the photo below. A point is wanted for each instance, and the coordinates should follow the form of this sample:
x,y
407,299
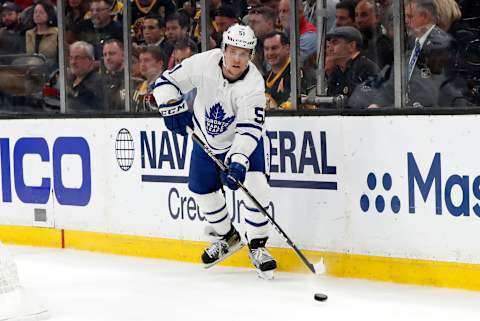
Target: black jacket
x,y
357,71
87,96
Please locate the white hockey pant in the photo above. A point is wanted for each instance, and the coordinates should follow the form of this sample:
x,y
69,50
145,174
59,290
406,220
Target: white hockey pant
x,y
256,223
214,208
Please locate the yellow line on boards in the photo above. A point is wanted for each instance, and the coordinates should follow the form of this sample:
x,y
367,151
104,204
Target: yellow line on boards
x,y
399,270
27,235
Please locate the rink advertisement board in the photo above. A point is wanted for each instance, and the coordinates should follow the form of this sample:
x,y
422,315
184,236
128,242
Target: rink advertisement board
x,y
399,186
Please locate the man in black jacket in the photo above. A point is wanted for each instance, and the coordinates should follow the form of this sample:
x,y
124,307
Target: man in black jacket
x,y
351,67
84,87
12,33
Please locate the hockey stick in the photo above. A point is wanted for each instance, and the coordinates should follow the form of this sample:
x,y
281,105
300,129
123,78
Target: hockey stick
x,y
224,168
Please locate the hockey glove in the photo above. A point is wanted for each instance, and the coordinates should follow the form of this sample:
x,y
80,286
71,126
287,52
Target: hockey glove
x,y
236,172
176,116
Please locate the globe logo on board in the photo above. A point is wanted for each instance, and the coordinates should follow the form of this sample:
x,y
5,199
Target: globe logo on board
x,y
124,149
380,201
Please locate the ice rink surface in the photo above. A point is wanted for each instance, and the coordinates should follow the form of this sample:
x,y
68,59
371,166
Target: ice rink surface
x,y
84,286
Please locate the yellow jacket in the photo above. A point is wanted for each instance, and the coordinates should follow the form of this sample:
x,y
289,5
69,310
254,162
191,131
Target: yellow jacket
x,y
48,44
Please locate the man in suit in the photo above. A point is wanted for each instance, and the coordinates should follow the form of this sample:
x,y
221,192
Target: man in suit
x,y
154,34
427,62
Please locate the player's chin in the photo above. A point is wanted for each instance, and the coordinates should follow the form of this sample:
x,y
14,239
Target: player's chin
x,y
236,70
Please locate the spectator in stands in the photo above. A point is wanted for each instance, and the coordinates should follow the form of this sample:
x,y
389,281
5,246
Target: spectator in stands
x,y
448,13
308,32
116,10
345,13
185,48
177,26
135,67
143,8
428,61
377,46
189,8
421,18
84,88
114,78
154,34
162,8
43,38
224,17
330,63
276,46
384,8
75,11
151,67
12,38
250,5
100,27
351,67
262,21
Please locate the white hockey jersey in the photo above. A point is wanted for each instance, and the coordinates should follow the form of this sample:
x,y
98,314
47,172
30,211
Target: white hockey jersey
x,y
228,115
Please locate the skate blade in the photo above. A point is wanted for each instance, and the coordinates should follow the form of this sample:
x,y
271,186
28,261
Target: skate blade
x,y
265,275
232,251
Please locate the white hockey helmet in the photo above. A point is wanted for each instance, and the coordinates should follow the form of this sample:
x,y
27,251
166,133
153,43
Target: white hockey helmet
x,y
239,36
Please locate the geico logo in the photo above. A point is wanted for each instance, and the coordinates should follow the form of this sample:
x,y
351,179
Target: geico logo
x,y
457,203
294,152
166,151
40,194
183,207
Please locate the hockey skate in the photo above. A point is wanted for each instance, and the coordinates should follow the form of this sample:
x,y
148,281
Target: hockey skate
x,y
225,246
261,258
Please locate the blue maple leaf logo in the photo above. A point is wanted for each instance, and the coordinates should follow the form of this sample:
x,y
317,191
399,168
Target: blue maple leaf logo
x,y
215,120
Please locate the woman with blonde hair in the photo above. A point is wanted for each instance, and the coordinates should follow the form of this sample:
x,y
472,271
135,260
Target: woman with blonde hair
x,y
448,12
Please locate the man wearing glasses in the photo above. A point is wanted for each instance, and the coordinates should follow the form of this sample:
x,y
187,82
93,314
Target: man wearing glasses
x,y
84,90
100,27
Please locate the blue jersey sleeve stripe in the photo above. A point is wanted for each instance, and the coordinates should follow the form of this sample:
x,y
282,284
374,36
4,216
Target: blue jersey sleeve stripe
x,y
246,125
166,82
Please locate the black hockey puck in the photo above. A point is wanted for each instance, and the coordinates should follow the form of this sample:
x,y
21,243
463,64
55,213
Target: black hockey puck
x,y
320,297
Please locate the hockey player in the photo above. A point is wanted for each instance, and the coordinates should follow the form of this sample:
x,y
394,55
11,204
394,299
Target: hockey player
x,y
229,115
